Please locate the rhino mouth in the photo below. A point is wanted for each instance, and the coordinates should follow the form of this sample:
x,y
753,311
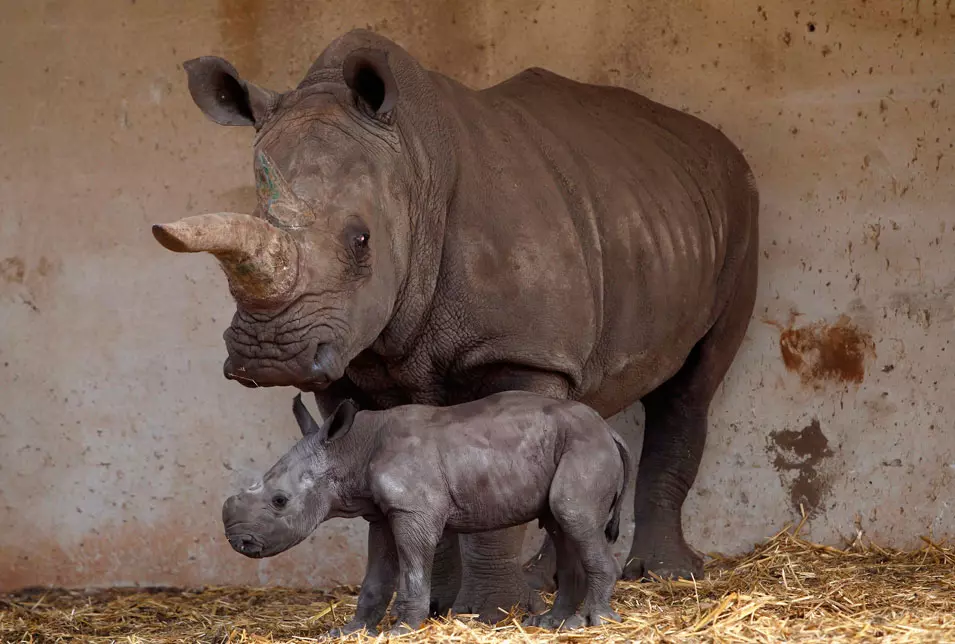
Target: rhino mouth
x,y
308,374
247,544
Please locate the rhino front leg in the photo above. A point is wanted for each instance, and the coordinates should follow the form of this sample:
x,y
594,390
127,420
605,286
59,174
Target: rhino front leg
x,y
672,448
541,569
445,575
673,441
381,574
416,537
492,577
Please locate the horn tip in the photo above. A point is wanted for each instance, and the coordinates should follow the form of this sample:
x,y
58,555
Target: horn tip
x,y
168,239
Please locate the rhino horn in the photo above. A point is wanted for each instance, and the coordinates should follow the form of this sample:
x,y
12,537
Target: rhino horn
x,y
260,260
281,203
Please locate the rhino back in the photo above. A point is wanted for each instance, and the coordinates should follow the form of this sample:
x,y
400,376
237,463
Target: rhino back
x,y
593,232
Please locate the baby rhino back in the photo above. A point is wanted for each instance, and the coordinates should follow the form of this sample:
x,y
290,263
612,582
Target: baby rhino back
x,y
491,461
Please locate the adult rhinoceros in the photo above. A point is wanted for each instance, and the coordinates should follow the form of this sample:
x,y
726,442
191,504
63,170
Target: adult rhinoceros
x,y
419,241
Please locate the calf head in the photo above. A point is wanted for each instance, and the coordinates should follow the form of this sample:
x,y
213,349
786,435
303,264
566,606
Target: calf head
x,y
295,495
317,268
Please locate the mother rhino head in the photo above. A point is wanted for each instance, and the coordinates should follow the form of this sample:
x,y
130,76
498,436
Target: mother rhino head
x,y
317,268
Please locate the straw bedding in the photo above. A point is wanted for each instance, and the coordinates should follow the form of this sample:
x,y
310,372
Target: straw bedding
x,y
787,589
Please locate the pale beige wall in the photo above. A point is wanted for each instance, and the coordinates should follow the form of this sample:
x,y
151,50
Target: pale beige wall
x,y
120,438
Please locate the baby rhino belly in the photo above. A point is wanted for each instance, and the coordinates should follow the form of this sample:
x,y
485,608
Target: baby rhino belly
x,y
502,493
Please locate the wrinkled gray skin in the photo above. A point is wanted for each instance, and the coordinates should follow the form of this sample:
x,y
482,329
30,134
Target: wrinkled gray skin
x,y
435,244
416,472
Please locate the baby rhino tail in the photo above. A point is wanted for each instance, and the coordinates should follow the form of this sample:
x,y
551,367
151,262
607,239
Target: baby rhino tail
x,y
613,526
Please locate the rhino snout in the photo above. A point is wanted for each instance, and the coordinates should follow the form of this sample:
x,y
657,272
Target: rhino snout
x,y
246,544
312,375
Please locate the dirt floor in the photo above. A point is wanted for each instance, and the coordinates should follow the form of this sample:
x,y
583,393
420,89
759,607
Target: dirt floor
x,y
786,590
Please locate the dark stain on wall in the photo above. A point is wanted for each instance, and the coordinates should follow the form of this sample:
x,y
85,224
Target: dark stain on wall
x,y
802,452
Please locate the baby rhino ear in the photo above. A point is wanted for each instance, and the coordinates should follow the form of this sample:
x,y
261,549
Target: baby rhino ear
x,y
337,424
341,420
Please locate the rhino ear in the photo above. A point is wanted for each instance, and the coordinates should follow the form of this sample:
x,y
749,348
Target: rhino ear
x,y
224,97
305,420
368,74
341,420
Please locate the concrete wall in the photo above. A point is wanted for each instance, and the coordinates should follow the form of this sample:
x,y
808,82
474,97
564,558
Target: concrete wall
x,y
120,438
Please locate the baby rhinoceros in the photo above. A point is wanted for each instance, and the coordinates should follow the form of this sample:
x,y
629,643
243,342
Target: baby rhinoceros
x,y
414,472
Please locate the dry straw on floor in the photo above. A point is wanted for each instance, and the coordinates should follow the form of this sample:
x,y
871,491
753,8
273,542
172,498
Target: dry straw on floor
x,y
787,590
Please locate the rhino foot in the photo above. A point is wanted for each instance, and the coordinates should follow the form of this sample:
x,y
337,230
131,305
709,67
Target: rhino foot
x,y
351,628
550,620
492,601
670,563
590,618
555,620
399,630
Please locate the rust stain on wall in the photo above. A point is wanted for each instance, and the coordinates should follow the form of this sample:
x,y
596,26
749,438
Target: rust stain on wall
x,y
821,352
12,270
802,452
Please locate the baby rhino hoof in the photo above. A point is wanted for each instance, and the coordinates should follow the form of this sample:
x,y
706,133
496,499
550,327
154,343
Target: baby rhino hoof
x,y
399,630
593,618
550,621
351,628
547,620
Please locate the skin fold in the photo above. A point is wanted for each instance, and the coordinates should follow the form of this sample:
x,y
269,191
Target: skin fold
x,y
417,472
417,241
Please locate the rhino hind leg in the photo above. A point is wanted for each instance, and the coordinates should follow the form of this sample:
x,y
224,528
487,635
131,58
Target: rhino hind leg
x,y
571,582
674,437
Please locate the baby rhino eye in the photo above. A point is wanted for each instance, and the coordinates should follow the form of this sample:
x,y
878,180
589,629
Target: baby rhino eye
x,y
279,501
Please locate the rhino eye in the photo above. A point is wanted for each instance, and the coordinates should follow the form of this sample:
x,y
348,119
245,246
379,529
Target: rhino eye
x,y
279,501
361,240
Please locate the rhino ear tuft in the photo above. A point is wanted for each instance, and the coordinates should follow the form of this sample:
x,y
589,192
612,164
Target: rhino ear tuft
x,y
369,75
305,420
341,420
224,97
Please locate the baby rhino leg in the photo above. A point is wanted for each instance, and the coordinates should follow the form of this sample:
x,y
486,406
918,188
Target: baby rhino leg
x,y
379,583
580,501
571,581
416,536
